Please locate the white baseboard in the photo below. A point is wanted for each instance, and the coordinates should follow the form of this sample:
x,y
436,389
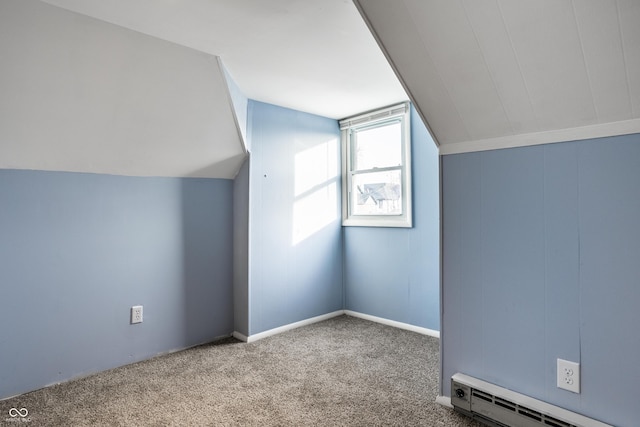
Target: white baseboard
x,y
237,335
290,326
444,401
281,329
400,325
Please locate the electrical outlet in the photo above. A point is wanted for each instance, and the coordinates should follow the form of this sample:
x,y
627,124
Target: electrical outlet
x,y
136,314
568,375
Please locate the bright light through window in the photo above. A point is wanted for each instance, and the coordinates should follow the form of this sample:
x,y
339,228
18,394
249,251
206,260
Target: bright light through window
x,y
316,190
377,168
379,147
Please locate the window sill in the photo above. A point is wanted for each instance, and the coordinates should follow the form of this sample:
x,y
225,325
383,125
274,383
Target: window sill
x,y
398,222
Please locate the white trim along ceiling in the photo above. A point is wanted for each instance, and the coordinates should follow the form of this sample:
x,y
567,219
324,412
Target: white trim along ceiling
x,y
121,86
500,73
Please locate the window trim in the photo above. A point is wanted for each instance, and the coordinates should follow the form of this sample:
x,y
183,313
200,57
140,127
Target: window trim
x,y
363,121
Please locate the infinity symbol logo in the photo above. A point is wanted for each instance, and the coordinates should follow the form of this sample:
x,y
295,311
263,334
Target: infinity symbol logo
x,y
13,412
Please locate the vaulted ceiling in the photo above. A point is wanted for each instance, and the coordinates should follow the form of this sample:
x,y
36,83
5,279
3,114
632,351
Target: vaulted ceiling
x,y
141,87
82,95
144,87
499,73
313,56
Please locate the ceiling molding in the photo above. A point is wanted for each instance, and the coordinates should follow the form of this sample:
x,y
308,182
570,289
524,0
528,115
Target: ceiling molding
x,y
562,135
498,74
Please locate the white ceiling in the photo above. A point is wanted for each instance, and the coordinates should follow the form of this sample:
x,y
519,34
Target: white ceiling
x,y
138,87
490,74
83,95
313,56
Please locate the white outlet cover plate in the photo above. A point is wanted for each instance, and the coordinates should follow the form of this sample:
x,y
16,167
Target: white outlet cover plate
x,y
568,375
136,314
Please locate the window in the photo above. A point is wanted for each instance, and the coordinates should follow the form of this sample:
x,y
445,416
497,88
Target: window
x,y
376,183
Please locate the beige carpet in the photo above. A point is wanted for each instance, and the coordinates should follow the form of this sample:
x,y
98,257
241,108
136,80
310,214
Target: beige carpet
x,y
341,372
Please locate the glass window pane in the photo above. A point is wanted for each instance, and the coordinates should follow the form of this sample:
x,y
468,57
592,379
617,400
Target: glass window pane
x,y
378,147
377,193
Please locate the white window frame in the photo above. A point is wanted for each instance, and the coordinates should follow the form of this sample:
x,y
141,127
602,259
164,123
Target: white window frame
x,y
395,113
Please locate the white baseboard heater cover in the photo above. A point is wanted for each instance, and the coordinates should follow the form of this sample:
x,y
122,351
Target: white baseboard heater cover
x,y
499,407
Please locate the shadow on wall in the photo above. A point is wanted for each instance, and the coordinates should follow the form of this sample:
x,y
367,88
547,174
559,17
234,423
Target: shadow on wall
x,y
207,242
81,249
224,168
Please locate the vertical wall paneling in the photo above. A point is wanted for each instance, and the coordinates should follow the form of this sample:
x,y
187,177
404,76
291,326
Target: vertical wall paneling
x,y
462,262
562,263
609,208
294,217
394,273
78,250
540,261
241,250
513,265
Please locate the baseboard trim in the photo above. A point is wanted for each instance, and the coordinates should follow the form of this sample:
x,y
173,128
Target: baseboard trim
x,y
444,401
237,335
290,326
395,324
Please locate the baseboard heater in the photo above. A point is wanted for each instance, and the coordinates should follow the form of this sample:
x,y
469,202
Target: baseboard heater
x,y
498,407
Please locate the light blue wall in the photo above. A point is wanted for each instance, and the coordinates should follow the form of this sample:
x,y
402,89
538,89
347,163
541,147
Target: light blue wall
x,y
241,250
241,192
295,270
78,250
393,273
540,261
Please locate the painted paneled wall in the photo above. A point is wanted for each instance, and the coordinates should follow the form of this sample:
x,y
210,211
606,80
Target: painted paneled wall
x,y
241,193
78,250
540,261
295,243
393,273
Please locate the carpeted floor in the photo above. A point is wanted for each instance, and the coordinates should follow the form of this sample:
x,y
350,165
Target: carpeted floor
x,y
341,372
